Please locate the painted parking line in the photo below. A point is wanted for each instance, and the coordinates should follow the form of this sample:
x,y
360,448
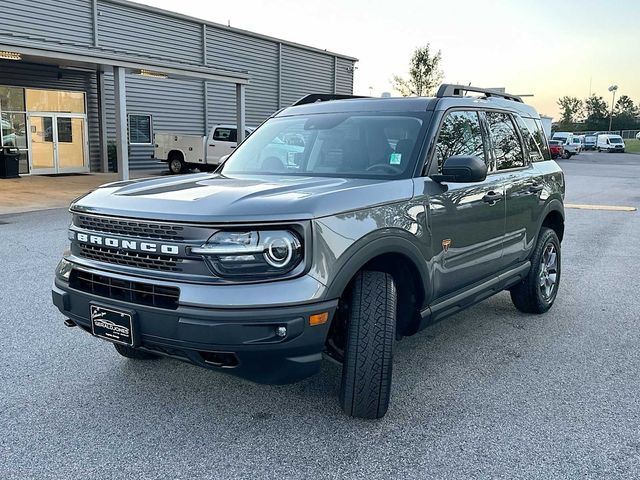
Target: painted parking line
x,y
615,208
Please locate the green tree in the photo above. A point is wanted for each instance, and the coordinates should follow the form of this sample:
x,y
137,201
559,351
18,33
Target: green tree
x,y
625,105
596,113
424,73
570,111
625,114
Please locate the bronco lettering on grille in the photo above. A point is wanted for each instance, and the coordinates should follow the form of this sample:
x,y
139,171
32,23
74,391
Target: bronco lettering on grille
x,y
132,245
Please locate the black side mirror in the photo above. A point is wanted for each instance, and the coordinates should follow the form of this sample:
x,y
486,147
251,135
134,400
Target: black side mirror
x,y
462,169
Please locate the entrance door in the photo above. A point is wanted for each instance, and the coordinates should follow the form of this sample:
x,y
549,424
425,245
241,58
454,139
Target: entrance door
x,y
58,143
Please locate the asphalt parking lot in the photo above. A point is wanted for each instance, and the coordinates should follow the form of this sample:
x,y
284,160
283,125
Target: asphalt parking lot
x,y
488,393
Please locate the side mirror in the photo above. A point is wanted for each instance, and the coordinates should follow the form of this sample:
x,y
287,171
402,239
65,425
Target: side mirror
x,y
462,169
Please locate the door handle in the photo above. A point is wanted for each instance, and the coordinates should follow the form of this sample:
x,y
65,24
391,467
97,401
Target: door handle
x,y
535,188
212,144
232,147
492,197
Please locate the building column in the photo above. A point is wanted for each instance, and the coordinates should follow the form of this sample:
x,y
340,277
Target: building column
x,y
102,125
122,146
240,113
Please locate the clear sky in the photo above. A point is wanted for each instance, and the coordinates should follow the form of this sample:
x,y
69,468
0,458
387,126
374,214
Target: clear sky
x,y
548,48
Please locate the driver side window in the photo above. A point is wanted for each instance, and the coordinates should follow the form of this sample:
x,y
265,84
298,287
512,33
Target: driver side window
x,y
460,134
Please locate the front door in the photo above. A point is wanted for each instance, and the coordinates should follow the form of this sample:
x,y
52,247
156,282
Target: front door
x,y
58,143
466,220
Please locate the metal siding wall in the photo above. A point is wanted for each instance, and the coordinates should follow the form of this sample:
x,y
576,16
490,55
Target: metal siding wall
x,y
176,106
21,74
64,21
344,81
305,72
233,51
130,30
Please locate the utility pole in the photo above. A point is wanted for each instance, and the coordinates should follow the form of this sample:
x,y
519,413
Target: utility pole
x,y
612,89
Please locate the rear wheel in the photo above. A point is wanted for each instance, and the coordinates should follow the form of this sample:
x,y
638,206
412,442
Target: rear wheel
x,y
537,292
368,356
176,164
130,352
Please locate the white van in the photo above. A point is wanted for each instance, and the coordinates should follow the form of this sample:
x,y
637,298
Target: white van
x,y
610,143
571,143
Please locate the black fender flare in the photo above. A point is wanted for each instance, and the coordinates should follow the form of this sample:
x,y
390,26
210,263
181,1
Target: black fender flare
x,y
373,245
553,205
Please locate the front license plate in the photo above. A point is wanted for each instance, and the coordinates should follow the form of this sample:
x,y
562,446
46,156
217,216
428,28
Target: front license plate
x,y
111,325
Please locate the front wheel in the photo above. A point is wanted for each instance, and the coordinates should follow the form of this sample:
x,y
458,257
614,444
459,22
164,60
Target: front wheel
x,y
537,292
371,332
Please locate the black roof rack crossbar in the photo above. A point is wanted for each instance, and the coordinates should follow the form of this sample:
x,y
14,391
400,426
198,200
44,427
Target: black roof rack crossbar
x,y
450,90
323,97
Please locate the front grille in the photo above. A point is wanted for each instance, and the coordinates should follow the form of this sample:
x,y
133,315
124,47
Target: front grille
x,y
125,290
163,263
132,228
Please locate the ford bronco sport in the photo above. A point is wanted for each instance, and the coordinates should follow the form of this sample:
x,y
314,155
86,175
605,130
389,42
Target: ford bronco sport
x,y
394,213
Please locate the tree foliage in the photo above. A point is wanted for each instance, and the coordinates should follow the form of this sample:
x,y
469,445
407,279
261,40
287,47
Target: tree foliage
x,y
593,113
570,110
424,73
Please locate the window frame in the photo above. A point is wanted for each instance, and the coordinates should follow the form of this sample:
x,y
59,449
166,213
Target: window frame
x,y
129,115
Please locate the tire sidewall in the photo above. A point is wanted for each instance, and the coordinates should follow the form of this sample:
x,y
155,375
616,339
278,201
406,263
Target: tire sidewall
x,y
176,162
547,236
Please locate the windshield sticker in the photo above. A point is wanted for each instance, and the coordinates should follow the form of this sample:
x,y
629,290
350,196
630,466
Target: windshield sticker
x,y
395,159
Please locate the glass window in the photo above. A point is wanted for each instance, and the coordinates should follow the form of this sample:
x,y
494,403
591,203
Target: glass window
x,y
65,133
54,101
350,145
506,143
534,138
14,130
460,134
140,131
223,134
12,99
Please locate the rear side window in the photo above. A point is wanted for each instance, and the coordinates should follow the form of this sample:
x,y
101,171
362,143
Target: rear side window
x,y
222,134
460,134
505,141
534,139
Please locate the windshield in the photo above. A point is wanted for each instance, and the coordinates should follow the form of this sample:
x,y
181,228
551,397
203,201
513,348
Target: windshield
x,y
615,139
352,145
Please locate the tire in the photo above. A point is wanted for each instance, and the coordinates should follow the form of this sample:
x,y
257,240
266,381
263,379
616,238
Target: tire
x,y
176,164
371,331
566,155
530,296
130,352
599,150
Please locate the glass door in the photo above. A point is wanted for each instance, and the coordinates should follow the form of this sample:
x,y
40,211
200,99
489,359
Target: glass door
x,y
58,143
41,133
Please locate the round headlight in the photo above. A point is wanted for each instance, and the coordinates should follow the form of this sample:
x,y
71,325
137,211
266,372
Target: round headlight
x,y
279,252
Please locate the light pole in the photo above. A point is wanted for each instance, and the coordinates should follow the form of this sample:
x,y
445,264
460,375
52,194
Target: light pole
x,y
612,89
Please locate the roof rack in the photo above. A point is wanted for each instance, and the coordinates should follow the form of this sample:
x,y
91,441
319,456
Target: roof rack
x,y
323,97
451,90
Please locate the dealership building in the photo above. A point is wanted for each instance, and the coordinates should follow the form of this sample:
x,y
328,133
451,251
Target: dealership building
x,y
83,82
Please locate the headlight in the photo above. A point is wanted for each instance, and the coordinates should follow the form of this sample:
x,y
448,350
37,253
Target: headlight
x,y
261,253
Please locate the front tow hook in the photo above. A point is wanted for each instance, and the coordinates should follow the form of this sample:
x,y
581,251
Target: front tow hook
x,y
69,323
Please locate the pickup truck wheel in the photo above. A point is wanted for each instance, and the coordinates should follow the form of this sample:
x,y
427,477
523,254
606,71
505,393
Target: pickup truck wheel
x,y
176,165
371,332
537,292
130,352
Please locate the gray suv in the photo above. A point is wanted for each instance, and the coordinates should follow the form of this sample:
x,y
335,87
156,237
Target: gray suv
x,y
389,215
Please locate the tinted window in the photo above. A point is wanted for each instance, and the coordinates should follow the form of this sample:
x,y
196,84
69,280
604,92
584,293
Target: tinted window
x,y
223,134
336,144
65,132
537,132
460,134
140,129
506,144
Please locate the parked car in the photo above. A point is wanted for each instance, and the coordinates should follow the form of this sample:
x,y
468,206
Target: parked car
x,y
388,220
182,152
590,142
610,143
638,136
571,143
556,147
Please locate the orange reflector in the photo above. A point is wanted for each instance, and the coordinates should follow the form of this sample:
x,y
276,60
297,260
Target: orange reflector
x,y
318,318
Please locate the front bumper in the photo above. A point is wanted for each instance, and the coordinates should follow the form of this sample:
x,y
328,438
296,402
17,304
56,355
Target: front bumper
x,y
238,340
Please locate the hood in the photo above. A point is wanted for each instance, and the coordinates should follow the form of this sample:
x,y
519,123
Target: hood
x,y
217,198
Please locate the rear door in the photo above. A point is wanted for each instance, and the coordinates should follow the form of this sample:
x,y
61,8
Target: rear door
x,y
466,220
222,142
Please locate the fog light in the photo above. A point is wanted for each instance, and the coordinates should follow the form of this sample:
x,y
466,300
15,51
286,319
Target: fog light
x,y
281,331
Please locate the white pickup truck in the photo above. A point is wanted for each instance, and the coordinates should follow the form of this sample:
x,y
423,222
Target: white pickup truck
x,y
183,152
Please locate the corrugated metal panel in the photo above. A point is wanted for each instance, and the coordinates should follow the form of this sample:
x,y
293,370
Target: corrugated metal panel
x,y
22,74
64,21
233,51
176,106
131,30
344,77
305,72
222,103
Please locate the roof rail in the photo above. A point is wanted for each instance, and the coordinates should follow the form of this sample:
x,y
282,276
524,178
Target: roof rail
x,y
451,90
323,97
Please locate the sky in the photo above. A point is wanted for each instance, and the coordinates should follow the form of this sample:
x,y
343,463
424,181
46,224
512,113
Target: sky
x,y
545,48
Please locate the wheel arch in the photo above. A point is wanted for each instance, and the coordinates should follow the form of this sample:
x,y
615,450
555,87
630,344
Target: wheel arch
x,y
176,151
553,217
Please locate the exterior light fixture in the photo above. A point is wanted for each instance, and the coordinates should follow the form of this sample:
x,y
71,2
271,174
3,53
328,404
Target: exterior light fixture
x,y
151,73
613,89
10,55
